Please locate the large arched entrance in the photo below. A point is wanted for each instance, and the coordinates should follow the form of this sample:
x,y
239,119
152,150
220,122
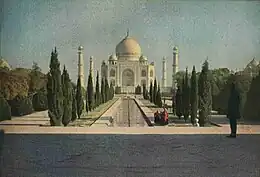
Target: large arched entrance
x,y
128,78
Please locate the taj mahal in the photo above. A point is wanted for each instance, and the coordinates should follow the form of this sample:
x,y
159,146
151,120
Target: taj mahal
x,y
128,68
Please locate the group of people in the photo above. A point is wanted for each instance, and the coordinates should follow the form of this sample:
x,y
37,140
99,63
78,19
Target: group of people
x,y
161,117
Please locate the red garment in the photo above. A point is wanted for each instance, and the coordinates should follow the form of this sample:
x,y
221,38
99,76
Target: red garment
x,y
165,115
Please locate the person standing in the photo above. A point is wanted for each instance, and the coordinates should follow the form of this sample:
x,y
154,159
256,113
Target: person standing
x,y
233,110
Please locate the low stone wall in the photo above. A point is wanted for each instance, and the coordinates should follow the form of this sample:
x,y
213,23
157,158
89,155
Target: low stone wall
x,y
147,112
106,119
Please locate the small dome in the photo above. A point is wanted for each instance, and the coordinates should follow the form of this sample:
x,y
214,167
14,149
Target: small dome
x,y
4,64
80,48
143,58
112,57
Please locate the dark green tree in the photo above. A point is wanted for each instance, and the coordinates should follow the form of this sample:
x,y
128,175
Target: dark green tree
x,y
112,91
90,91
151,92
174,102
74,106
103,90
178,98
186,97
40,102
107,90
159,98
54,91
97,93
79,98
154,91
204,93
183,94
252,106
87,106
67,97
194,95
145,92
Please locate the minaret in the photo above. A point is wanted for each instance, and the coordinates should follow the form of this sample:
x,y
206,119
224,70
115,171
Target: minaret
x,y
174,66
163,73
91,68
81,66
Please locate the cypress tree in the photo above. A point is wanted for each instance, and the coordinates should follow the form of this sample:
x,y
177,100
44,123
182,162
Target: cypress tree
x,y
204,93
97,94
54,91
103,90
90,91
151,92
112,91
144,89
74,106
179,111
107,90
79,98
154,91
174,102
183,94
186,97
87,106
194,96
158,98
67,94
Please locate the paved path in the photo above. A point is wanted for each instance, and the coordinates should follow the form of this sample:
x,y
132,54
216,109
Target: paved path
x,y
130,155
129,115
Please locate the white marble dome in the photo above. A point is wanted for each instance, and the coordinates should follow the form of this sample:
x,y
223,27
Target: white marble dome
x,y
129,48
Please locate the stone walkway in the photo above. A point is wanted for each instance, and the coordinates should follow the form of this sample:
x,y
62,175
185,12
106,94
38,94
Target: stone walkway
x,y
42,119
130,155
34,119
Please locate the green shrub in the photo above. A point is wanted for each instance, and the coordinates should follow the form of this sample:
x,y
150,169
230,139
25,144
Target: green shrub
x,y
220,101
138,90
21,106
40,101
117,90
5,110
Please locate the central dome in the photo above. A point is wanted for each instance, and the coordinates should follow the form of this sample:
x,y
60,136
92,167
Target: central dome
x,y
128,47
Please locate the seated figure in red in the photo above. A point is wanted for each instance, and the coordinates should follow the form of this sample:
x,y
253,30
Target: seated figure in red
x,y
165,115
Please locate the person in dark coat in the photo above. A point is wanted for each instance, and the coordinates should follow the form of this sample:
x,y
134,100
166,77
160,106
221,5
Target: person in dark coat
x,y
233,110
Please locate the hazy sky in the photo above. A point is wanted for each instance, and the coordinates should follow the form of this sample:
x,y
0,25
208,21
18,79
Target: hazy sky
x,y
228,32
